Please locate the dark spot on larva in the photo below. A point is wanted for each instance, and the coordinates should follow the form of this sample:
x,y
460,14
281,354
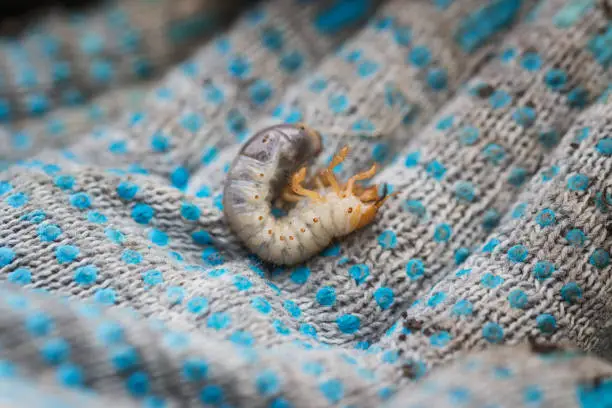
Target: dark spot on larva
x,y
256,197
269,232
315,219
302,230
261,174
260,217
282,238
290,237
350,210
402,337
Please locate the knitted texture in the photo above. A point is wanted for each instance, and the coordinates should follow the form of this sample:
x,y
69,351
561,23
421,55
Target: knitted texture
x,y
63,60
491,122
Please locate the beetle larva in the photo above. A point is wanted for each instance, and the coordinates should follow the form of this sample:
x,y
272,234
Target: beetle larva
x,y
322,210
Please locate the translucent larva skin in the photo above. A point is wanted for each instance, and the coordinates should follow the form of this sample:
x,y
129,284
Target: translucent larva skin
x,y
256,177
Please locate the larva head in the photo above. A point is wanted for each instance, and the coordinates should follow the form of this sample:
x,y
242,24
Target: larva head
x,y
290,144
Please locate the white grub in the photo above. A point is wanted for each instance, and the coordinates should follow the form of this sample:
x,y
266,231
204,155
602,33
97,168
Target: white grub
x,y
322,211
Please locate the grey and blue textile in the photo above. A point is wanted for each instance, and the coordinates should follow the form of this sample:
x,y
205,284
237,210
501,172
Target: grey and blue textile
x,y
484,282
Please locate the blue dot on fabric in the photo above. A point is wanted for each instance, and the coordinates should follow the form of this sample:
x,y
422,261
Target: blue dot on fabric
x,y
384,297
442,233
86,275
546,217
17,200
197,305
195,369
326,296
600,258
577,182
461,254
242,283
124,357
500,99
463,307
110,333
70,375
359,273
211,394
260,92
152,277
138,384
5,187
96,218
38,324
267,383
440,339
175,295
348,323
576,237
48,232
80,201
127,190
518,299
66,253
437,79
218,321
202,237
555,79
114,235
436,170
387,239
571,292
332,390
105,296
7,256
291,62
531,61
543,270
142,213
64,182
436,299
491,281
604,146
419,56
524,116
338,103
493,332
20,276
261,305
158,237
292,308
415,269
300,275
518,176
308,330
55,351
131,257
518,253
546,323
190,212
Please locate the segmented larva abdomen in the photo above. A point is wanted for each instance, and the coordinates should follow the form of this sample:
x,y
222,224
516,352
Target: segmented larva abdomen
x,y
257,175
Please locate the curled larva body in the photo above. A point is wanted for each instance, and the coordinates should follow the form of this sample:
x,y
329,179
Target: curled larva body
x,y
259,175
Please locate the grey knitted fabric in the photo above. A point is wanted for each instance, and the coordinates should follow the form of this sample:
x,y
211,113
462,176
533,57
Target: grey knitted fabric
x,y
123,284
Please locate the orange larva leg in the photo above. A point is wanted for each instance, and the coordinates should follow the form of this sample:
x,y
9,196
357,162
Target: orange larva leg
x,y
328,173
296,185
338,158
360,176
370,194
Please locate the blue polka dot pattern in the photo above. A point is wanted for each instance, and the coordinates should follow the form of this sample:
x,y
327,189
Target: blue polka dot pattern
x,y
480,245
